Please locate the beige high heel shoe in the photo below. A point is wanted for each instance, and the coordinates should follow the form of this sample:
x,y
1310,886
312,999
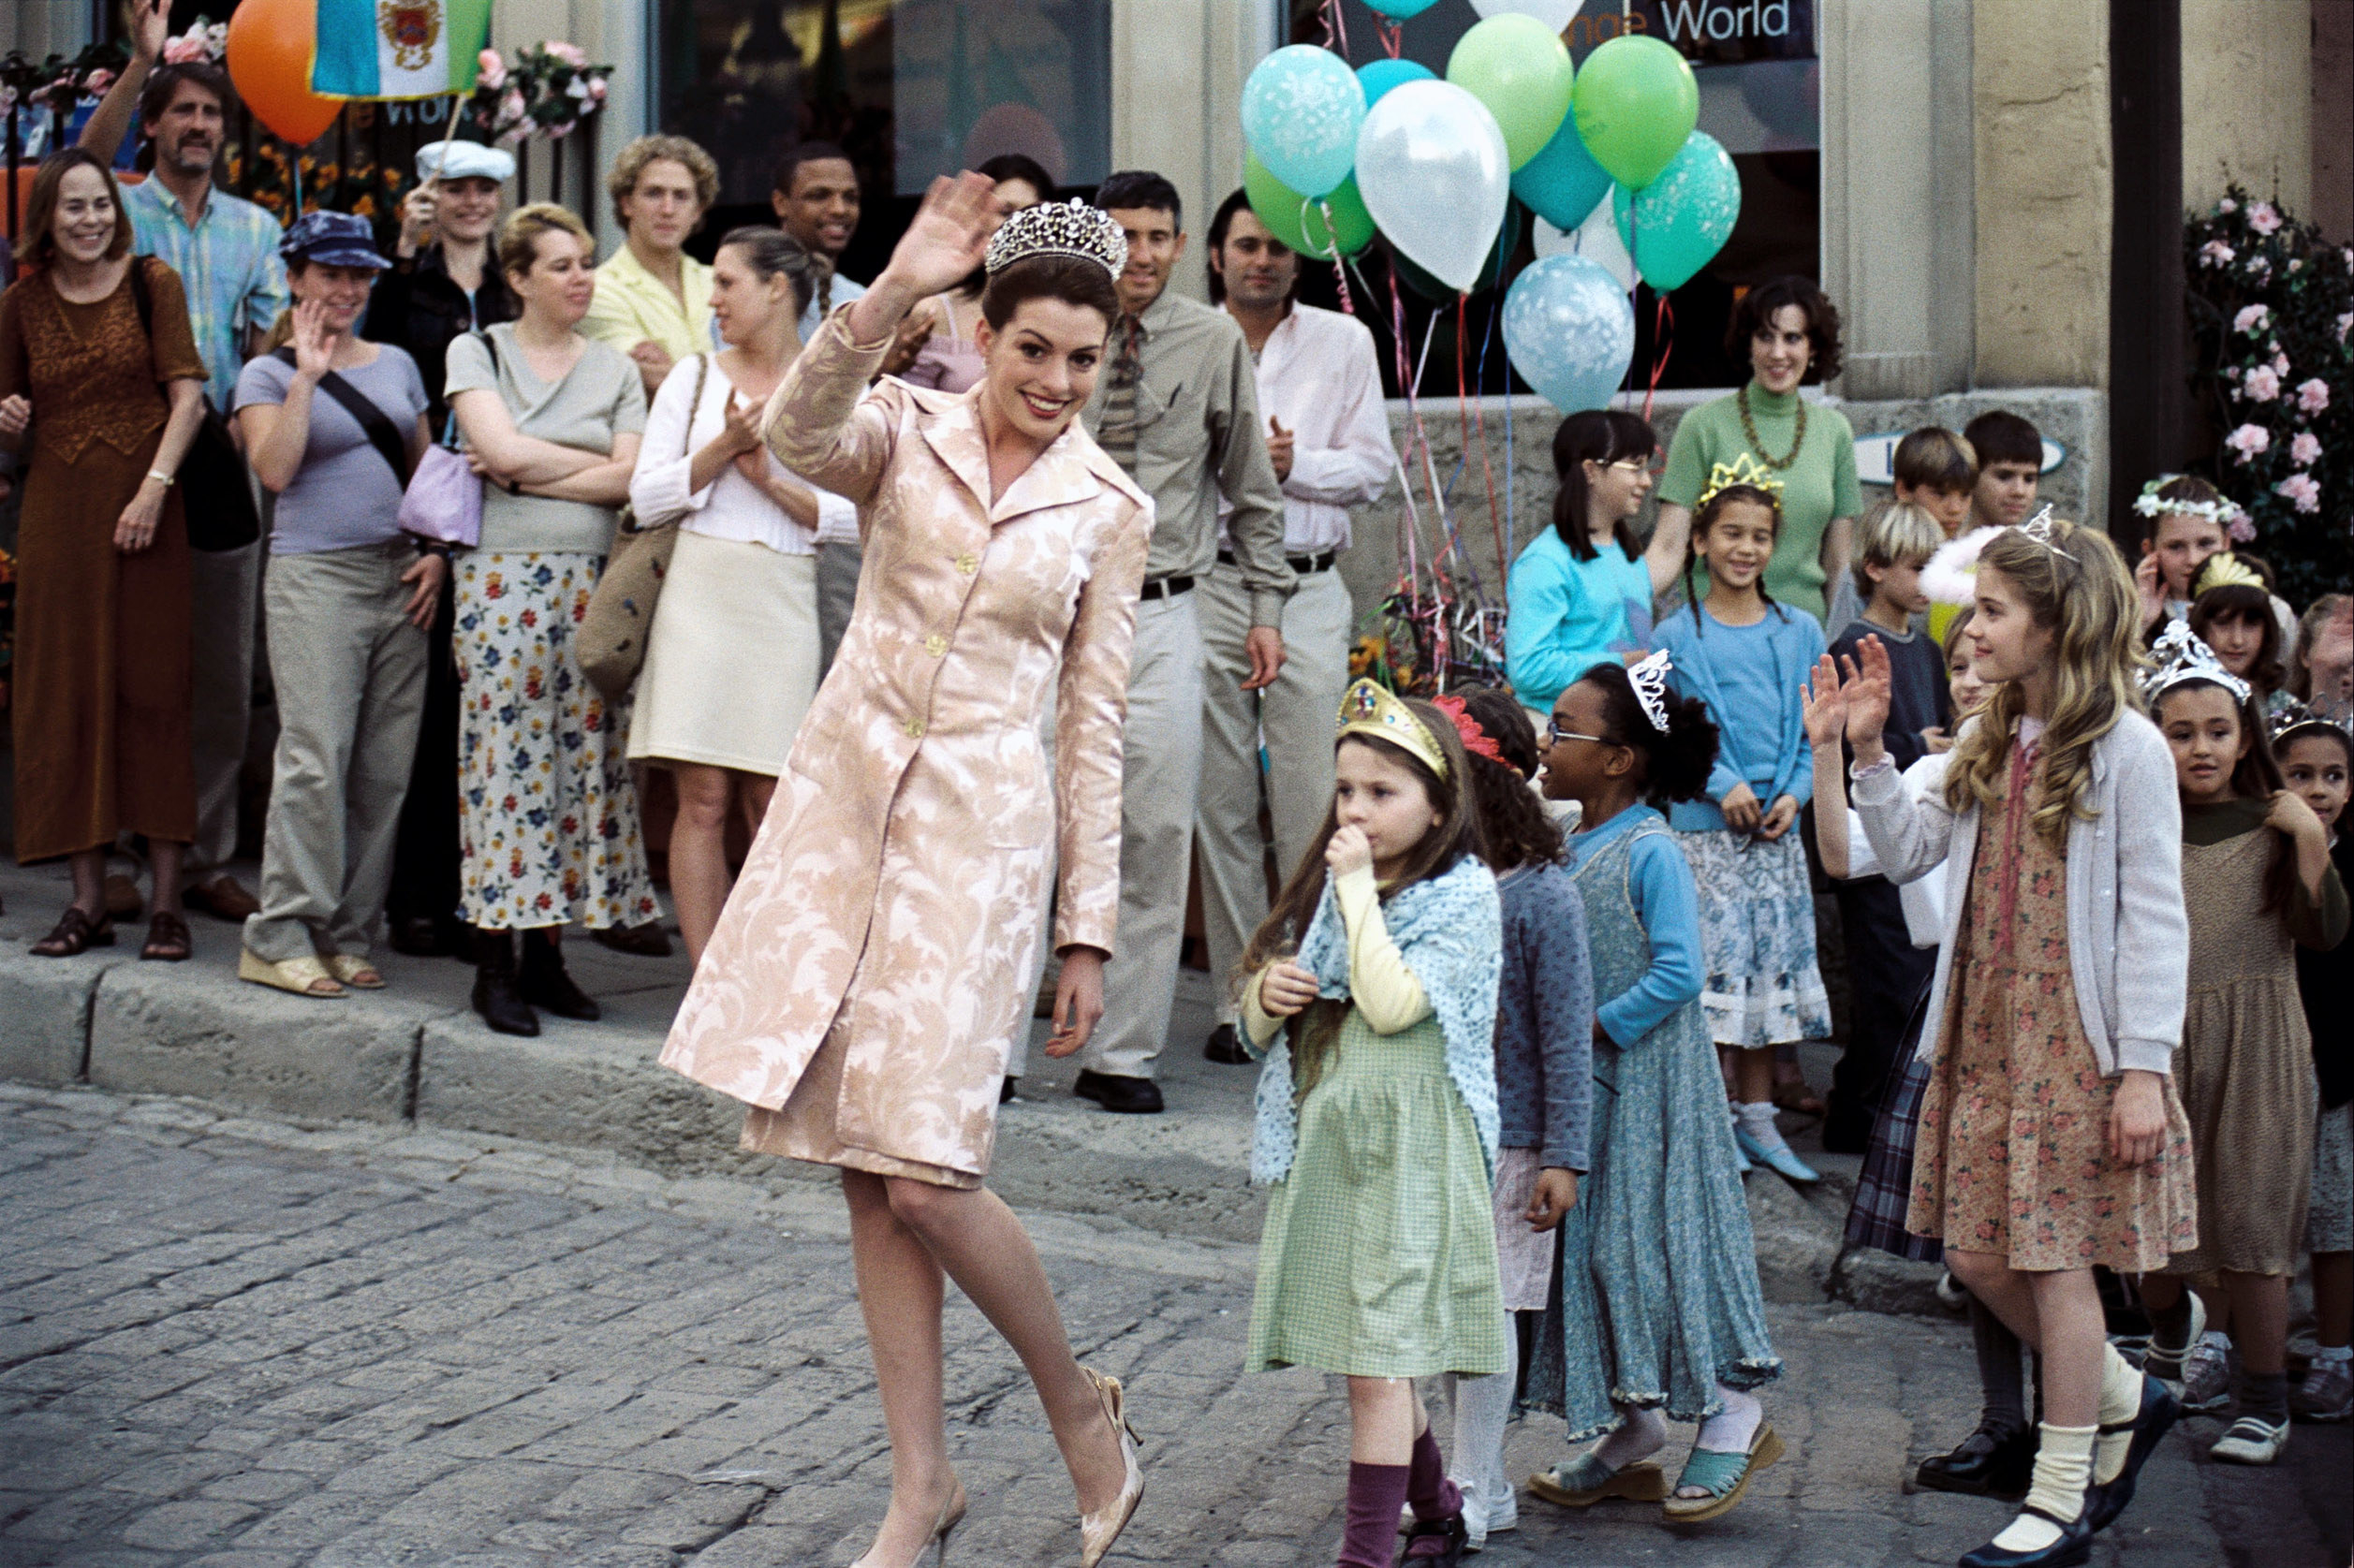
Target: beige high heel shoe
x,y
1099,1529
951,1515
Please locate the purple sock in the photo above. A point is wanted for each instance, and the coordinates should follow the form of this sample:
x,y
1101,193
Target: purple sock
x,y
1434,1496
1376,1494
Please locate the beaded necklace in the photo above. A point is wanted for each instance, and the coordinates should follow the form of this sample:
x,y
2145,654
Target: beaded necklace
x,y
1757,443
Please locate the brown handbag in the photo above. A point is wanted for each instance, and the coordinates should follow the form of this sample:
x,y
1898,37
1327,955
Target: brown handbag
x,y
612,641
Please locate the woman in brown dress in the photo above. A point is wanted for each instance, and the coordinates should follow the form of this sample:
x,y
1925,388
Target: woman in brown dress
x,y
108,407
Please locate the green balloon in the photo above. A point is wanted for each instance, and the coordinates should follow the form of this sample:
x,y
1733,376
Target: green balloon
x,y
1300,223
1517,67
1635,103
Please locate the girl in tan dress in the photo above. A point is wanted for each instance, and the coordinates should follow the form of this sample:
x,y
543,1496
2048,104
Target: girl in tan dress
x,y
109,404
866,979
2051,1138
2258,881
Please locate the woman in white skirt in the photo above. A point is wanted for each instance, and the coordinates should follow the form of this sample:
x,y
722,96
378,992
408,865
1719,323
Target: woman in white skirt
x,y
731,661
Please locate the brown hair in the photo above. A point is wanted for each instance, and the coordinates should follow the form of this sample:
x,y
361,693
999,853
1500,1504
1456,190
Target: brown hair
x,y
2257,776
769,250
40,213
1754,314
1314,1032
1603,435
1933,458
2244,601
1704,519
519,236
1072,279
1513,826
163,86
621,180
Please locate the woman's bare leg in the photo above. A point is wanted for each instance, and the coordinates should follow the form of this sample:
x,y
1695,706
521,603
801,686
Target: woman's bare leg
x,y
698,853
899,1295
981,1245
754,791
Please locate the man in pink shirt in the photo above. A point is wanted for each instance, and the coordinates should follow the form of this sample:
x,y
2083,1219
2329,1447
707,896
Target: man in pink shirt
x,y
1319,391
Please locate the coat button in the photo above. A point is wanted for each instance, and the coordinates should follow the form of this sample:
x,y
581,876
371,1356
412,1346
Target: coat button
x,y
936,645
968,564
915,730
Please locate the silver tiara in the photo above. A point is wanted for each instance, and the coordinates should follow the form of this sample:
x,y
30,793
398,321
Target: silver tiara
x,y
2039,528
2180,655
1648,674
1059,229
2294,717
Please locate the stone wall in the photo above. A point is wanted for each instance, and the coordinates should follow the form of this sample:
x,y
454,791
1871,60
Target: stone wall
x,y
2247,101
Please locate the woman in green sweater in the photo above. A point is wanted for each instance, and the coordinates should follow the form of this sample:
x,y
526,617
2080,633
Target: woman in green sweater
x,y
1790,334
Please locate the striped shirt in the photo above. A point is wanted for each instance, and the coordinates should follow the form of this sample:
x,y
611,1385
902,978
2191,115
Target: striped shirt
x,y
228,264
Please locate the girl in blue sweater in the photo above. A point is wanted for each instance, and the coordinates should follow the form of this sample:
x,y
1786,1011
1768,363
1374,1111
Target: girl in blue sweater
x,y
1746,657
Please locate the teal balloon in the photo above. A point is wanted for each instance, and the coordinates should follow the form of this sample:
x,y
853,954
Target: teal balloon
x,y
1676,225
1635,102
1570,331
1302,111
1382,75
1398,10
1561,184
1491,271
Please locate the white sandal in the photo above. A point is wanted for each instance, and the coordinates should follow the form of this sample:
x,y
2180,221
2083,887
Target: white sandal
x,y
302,977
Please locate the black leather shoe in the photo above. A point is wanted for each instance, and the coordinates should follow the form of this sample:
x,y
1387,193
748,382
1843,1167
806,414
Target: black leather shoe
x,y
1005,1090
2074,1545
2159,1411
648,941
496,997
1224,1047
1437,1544
543,982
1113,1092
1987,1463
418,936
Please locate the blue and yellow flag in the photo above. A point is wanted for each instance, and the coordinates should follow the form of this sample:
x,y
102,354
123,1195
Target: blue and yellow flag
x,y
398,48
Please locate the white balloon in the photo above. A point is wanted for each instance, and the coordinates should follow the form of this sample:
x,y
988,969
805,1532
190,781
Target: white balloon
x,y
1597,239
1432,169
1555,14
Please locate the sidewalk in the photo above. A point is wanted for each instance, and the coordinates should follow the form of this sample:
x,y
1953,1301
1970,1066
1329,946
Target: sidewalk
x,y
416,1054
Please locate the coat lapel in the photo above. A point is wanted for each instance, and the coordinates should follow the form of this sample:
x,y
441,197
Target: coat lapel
x,y
1064,472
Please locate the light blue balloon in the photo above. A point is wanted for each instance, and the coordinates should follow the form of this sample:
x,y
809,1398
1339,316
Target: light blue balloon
x,y
1676,225
1398,10
1382,75
1563,184
1302,111
1570,331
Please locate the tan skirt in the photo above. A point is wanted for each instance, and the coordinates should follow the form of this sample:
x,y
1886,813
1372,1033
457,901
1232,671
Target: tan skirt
x,y
2245,1067
731,664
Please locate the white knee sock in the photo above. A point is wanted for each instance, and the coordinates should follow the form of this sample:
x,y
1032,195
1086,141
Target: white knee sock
x,y
1641,1434
2120,1402
1482,1406
2064,1464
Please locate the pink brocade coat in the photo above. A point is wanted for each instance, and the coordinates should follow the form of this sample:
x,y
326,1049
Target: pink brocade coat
x,y
892,898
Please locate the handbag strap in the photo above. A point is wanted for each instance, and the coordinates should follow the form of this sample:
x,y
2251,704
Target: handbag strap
x,y
375,423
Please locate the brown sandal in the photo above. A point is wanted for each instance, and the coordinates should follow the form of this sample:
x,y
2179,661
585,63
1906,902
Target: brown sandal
x,y
167,939
74,933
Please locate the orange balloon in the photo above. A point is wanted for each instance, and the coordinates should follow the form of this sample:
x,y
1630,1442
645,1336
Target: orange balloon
x,y
270,43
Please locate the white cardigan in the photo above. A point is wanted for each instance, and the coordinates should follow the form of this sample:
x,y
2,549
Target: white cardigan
x,y
2125,888
731,507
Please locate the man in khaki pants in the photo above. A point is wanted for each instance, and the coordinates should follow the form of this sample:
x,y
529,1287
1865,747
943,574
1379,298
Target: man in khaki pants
x,y
1176,407
1327,435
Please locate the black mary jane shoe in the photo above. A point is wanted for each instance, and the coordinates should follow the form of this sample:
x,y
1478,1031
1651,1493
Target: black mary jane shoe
x,y
1117,1092
1987,1463
2159,1411
496,997
2075,1545
544,982
1437,1544
1224,1047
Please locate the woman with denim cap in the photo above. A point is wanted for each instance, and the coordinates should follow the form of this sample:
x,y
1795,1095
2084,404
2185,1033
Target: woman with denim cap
x,y
332,425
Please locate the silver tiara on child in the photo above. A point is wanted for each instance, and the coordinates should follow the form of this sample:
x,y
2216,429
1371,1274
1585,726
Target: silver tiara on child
x,y
1648,674
2039,528
1059,229
2182,656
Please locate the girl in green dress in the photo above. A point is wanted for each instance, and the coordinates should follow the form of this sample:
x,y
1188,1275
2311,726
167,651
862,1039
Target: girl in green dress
x,y
1377,1120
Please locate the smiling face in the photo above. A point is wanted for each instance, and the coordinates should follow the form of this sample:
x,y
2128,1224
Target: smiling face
x,y
1780,351
1041,368
341,291
1737,543
2005,642
560,283
744,304
2181,543
821,210
84,225
2315,767
1379,792
466,210
1154,244
2201,723
188,135
1615,490
1576,765
661,209
1962,685
1258,269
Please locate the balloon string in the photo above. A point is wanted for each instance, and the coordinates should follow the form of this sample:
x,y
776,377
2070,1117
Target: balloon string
x,y
1393,36
1470,413
1663,343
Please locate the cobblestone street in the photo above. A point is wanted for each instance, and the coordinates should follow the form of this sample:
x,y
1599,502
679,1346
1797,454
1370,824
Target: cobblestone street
x,y
235,1342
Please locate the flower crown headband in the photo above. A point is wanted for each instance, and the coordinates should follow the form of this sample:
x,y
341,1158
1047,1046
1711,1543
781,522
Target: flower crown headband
x,y
1371,709
2149,504
2181,656
1743,470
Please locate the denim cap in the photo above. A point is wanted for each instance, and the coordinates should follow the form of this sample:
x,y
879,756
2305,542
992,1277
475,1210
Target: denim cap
x,y
465,160
333,240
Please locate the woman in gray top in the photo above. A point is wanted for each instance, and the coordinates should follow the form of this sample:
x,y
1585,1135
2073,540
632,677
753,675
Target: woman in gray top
x,y
547,815
332,424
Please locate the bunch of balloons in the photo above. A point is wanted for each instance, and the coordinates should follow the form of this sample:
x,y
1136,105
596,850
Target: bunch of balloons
x,y
1435,166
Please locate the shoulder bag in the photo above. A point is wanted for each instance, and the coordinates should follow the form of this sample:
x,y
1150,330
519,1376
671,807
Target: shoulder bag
x,y
375,423
218,489
443,503
612,641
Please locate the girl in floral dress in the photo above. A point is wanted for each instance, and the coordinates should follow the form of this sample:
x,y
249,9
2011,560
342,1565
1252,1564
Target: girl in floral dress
x,y
2051,1137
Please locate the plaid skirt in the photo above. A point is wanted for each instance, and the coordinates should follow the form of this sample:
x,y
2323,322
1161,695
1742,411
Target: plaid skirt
x,y
1884,1188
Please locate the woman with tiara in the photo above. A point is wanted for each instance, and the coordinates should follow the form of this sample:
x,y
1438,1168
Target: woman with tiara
x,y
865,984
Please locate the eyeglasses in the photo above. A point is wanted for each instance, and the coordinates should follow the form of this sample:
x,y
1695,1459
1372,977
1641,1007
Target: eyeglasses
x,y
1652,466
1555,735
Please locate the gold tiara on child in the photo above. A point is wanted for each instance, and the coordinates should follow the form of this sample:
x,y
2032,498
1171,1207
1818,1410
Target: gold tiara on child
x,y
1058,229
1370,707
2180,655
1743,470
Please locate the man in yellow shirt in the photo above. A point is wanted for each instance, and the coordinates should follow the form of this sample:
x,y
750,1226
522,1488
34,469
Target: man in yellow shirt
x,y
654,300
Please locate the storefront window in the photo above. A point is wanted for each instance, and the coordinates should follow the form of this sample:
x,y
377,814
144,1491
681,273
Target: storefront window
x,y
910,88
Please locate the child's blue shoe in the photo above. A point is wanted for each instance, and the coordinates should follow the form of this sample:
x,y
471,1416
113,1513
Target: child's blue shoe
x,y
1775,1156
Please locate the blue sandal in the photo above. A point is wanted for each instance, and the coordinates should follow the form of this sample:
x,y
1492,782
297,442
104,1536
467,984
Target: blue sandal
x,y
1585,1481
1725,1475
